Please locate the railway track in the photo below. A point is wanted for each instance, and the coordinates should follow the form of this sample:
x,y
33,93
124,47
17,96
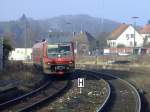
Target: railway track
x,y
123,98
92,98
9,94
101,106
106,99
27,102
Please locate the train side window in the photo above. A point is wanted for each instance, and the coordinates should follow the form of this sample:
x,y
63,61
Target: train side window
x,y
35,51
41,53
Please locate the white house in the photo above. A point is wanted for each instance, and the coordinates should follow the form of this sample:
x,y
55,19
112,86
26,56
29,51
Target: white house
x,y
124,36
21,54
145,32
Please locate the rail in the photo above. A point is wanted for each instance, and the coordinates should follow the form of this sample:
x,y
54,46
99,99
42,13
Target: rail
x,y
131,87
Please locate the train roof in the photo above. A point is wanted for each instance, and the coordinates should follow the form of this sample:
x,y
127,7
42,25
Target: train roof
x,y
59,43
53,42
38,43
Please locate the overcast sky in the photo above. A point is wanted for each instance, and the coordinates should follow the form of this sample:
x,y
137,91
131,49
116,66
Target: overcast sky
x,y
117,10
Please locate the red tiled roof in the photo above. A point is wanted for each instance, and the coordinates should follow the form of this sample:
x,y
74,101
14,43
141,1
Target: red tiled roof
x,y
146,29
117,32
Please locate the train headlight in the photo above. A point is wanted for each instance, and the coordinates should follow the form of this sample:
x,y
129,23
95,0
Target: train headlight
x,y
48,63
70,62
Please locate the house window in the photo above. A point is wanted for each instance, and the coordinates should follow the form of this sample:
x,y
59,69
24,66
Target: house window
x,y
135,44
111,44
127,36
114,43
132,35
148,38
131,44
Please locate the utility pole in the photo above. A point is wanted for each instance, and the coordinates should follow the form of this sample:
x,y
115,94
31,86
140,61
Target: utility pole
x,y
26,34
1,53
134,18
25,40
76,47
73,34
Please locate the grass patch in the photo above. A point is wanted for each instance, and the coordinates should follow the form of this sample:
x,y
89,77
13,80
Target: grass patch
x,y
25,74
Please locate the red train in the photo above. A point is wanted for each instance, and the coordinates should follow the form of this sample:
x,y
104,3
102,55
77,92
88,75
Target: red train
x,y
55,58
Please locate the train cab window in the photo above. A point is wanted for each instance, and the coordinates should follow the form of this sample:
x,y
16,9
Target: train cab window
x,y
55,50
64,48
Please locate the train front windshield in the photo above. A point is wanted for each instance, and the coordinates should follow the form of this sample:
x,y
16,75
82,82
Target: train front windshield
x,y
58,50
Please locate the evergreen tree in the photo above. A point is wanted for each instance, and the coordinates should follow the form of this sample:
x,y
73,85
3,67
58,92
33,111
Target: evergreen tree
x,y
7,48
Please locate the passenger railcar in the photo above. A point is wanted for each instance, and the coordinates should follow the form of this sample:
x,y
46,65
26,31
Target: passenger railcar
x,y
54,58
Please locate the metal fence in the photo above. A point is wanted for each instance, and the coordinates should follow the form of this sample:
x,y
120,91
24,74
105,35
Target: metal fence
x,y
113,59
